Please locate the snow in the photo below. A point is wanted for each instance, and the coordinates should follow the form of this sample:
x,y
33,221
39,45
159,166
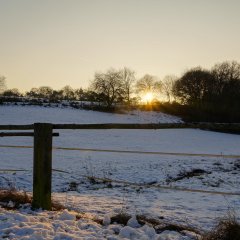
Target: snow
x,y
30,114
132,222
78,194
144,232
45,225
106,220
169,235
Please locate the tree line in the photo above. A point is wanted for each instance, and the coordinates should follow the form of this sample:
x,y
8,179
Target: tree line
x,y
199,94
107,88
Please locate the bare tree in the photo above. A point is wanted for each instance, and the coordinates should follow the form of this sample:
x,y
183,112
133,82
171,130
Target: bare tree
x,y
78,94
167,86
68,93
2,84
34,93
45,92
12,93
225,72
109,85
41,92
128,80
56,95
148,84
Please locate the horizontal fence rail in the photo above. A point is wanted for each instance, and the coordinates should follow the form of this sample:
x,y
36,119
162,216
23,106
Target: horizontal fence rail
x,y
13,170
142,152
29,170
132,152
22,134
224,127
15,146
228,127
121,126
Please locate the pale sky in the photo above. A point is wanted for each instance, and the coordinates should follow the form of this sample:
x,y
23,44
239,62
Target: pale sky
x,y
63,42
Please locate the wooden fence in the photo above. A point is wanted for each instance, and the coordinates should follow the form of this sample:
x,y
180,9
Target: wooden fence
x,y
42,153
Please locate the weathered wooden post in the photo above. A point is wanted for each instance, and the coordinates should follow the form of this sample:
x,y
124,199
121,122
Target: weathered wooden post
x,y
42,166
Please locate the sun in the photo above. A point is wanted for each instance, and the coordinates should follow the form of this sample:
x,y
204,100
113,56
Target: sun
x,y
148,97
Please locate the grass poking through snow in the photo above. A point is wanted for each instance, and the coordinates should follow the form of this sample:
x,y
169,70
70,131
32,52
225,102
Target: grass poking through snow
x,y
227,229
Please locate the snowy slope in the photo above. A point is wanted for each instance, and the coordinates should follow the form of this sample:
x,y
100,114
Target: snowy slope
x,y
30,114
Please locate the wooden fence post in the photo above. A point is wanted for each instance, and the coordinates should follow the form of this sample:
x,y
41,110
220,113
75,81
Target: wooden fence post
x,y
42,166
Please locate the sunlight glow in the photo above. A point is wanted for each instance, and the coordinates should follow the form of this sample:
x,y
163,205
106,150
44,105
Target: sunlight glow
x,y
148,97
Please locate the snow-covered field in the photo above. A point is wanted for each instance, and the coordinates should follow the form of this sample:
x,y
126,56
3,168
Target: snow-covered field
x,y
100,199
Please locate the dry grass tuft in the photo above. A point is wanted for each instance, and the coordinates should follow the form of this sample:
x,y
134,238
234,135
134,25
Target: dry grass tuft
x,y
13,199
227,229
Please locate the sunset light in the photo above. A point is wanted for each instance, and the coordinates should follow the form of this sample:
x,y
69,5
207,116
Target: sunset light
x,y
148,97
